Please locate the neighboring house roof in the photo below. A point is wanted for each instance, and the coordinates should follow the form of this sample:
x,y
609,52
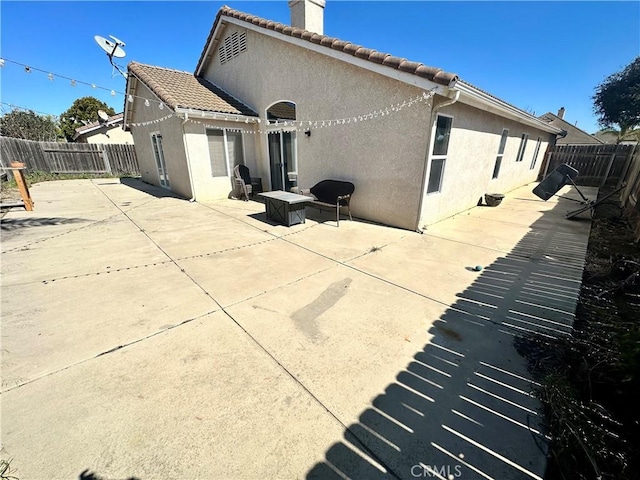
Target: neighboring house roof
x,y
179,89
574,134
114,120
476,96
434,74
282,110
609,137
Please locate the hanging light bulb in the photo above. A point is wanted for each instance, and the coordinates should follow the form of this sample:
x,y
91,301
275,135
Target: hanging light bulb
x,y
146,102
93,85
27,69
1,62
113,93
73,83
130,99
161,106
50,76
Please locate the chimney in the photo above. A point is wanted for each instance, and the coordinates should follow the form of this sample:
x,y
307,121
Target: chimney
x,y
308,14
561,113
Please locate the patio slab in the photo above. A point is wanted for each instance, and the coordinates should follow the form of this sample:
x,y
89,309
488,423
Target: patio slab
x,y
359,351
215,407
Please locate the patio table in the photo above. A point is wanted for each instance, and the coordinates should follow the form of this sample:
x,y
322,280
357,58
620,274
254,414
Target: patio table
x,y
285,207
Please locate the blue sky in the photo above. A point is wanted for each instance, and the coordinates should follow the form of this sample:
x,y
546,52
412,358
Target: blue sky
x,y
539,56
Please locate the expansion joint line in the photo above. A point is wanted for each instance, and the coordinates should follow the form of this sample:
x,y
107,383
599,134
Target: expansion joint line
x,y
361,443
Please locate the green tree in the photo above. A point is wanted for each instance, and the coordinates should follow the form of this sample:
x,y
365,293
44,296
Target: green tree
x,y
84,109
617,101
29,125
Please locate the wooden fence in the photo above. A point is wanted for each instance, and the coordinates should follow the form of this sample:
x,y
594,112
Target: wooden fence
x,y
631,194
57,157
599,165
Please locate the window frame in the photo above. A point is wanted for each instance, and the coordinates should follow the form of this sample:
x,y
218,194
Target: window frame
x,y
522,148
438,157
500,155
536,153
225,147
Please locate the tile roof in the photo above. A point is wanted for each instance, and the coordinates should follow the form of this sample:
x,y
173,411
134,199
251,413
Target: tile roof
x,y
113,120
434,74
179,89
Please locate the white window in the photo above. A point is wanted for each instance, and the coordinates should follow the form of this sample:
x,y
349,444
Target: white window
x,y
503,144
523,147
225,151
161,164
535,154
439,153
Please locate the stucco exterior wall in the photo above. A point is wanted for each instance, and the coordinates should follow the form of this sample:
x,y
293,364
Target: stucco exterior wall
x,y
172,139
207,187
383,157
473,148
113,134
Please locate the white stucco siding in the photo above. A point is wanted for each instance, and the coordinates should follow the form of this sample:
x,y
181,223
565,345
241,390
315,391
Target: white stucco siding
x,y
172,140
473,148
383,157
206,186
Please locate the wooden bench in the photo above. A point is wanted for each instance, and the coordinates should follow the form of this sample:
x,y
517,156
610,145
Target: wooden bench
x,y
331,194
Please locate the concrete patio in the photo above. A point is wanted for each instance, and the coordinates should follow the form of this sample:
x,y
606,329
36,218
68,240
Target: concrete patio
x,y
145,336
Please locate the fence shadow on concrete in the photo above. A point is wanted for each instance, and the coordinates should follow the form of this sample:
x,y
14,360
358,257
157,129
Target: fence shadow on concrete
x,y
13,224
464,406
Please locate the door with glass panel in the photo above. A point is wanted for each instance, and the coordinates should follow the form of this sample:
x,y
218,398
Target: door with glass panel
x,y
282,159
156,142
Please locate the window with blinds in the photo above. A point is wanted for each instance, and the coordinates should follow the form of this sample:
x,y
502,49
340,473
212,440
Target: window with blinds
x,y
225,151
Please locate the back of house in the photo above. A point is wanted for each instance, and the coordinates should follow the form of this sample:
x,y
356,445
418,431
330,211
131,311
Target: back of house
x,y
297,107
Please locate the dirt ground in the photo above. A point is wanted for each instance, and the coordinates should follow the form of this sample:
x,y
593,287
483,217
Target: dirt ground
x,y
591,381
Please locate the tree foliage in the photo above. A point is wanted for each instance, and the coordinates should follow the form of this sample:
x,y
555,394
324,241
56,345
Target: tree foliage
x,y
83,110
29,125
617,99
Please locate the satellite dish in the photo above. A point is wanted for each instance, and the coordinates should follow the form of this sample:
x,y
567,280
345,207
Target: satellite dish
x,y
117,41
103,116
113,49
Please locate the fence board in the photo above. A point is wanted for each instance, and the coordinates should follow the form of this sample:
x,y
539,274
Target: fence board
x,y
599,165
57,157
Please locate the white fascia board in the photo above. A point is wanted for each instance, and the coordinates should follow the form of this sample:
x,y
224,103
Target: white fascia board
x,y
208,115
405,77
127,110
476,98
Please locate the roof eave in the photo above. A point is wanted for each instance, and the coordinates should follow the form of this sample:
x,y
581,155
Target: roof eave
x,y
475,97
214,115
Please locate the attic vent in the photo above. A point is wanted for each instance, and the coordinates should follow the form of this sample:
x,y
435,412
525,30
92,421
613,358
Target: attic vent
x,y
232,46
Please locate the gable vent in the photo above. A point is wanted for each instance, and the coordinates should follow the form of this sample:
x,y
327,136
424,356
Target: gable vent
x,y
232,46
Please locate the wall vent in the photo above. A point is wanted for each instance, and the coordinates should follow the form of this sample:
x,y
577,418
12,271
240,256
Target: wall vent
x,y
232,46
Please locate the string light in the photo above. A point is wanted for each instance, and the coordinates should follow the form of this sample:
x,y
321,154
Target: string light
x,y
289,125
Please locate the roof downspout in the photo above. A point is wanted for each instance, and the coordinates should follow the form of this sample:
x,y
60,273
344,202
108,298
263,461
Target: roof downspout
x,y
434,112
186,152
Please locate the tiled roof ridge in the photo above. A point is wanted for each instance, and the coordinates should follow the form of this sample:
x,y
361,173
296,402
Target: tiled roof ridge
x,y
434,74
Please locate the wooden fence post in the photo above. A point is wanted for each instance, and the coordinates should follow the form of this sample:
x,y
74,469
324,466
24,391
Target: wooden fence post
x,y
105,157
606,173
18,173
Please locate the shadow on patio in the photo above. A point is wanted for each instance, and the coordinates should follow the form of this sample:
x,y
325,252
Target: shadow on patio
x,y
11,224
464,408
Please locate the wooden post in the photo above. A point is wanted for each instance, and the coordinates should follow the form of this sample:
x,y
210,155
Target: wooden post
x,y
105,158
606,174
18,173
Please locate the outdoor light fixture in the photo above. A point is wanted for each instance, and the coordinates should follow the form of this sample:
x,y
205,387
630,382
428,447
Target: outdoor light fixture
x,y
27,69
50,76
307,133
